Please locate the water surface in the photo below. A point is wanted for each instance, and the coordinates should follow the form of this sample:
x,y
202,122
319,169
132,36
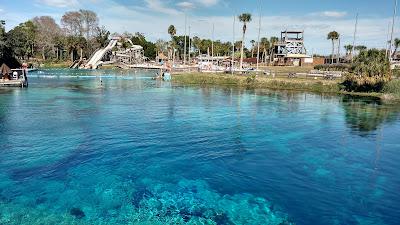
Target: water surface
x,y
126,149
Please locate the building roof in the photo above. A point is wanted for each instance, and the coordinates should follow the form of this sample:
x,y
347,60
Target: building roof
x,y
218,58
297,56
4,69
292,32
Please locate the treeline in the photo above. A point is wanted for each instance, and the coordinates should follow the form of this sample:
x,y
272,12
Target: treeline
x,y
42,38
200,46
78,36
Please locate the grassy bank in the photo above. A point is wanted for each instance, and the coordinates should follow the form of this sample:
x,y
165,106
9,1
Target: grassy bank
x,y
393,88
392,92
60,64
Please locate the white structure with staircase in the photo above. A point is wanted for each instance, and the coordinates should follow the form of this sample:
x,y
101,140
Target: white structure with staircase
x,y
133,54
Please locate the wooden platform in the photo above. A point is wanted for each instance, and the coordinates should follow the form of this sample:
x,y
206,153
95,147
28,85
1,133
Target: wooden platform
x,y
13,83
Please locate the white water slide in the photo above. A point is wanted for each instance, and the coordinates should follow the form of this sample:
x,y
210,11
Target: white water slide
x,y
95,60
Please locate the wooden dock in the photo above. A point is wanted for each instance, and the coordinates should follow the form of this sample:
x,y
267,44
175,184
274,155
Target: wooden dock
x,y
13,83
148,66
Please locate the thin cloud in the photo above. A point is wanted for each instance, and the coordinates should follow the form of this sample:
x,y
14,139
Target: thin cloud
x,y
332,14
186,5
59,3
159,6
208,3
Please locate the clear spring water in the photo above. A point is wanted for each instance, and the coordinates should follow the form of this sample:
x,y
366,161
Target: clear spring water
x,y
136,151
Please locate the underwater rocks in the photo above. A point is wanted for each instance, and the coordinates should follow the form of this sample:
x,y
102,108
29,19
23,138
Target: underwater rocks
x,y
139,195
194,202
146,201
222,219
77,212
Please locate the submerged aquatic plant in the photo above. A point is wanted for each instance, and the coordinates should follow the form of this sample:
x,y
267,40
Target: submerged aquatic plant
x,y
77,212
146,201
193,202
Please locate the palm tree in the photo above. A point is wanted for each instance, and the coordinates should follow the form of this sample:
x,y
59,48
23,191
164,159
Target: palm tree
x,y
244,18
264,44
396,46
81,44
333,36
59,44
238,45
272,41
252,47
360,48
71,46
172,32
349,49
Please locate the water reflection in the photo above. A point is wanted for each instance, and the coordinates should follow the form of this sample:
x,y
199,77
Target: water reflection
x,y
365,115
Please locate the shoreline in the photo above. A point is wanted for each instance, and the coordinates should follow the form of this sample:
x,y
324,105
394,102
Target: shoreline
x,y
278,83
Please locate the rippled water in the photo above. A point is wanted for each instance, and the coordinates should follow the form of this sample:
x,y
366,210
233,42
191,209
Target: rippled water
x,y
126,149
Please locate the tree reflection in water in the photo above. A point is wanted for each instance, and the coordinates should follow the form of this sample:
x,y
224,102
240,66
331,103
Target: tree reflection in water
x,y
365,115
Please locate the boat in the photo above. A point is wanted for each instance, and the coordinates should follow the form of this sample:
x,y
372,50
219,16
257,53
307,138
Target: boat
x,y
13,77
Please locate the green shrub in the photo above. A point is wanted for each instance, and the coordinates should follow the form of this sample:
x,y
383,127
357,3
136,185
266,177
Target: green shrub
x,y
396,73
371,72
251,79
392,87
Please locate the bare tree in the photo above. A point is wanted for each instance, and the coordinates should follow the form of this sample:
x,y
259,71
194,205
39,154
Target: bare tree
x,y
91,22
47,32
73,23
161,46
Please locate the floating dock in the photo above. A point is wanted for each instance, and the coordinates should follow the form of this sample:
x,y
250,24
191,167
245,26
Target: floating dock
x,y
13,83
13,78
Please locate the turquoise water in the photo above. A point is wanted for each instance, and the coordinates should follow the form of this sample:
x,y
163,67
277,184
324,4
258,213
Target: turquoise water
x,y
125,149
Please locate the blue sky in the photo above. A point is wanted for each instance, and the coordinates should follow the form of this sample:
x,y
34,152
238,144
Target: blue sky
x,y
152,17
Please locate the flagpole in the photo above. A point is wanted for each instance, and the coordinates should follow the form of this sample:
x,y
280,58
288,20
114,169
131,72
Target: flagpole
x,y
212,47
387,41
190,45
393,24
354,38
258,39
184,48
233,45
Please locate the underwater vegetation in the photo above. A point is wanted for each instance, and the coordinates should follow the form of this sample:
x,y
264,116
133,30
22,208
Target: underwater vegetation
x,y
193,202
188,202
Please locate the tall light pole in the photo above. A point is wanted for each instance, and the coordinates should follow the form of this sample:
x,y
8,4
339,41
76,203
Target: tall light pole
x,y
354,38
338,51
184,48
393,23
233,45
212,43
258,39
388,40
190,46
